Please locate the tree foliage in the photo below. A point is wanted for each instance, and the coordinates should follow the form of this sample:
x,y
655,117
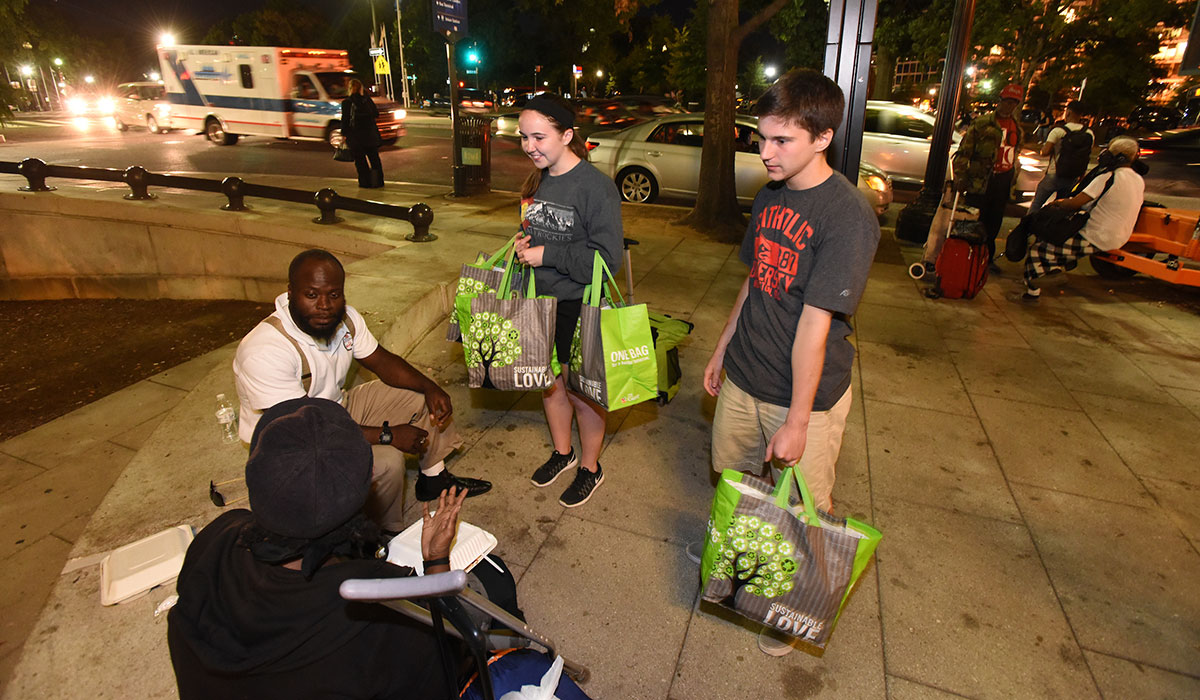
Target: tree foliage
x,y
491,340
753,556
279,23
1055,44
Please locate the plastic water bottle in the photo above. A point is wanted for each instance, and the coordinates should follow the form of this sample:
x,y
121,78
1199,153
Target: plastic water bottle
x,y
227,419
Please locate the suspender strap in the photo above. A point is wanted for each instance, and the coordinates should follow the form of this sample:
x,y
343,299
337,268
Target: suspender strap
x,y
305,371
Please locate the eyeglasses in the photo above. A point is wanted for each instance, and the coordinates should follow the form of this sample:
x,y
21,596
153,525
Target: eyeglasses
x,y
217,497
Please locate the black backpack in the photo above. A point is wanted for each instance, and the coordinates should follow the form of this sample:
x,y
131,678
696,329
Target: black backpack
x,y
1075,150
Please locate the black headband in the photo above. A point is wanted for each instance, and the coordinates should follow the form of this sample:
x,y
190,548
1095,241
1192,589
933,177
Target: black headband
x,y
552,109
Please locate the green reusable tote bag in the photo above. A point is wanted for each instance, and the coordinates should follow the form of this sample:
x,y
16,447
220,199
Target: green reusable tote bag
x,y
476,278
509,340
774,558
612,354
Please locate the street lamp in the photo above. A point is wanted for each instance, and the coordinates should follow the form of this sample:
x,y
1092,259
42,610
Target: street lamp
x,y
769,71
166,40
58,62
26,71
599,73
88,79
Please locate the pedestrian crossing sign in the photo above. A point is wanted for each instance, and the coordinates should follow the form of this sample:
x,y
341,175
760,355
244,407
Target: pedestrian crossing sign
x,y
381,66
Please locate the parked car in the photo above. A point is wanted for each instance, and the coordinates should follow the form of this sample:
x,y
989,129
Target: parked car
x,y
661,158
1152,118
142,104
897,138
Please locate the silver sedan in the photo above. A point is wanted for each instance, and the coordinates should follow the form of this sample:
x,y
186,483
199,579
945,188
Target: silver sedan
x,y
661,157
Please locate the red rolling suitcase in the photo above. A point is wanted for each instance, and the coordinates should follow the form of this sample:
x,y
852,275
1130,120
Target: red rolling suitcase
x,y
962,265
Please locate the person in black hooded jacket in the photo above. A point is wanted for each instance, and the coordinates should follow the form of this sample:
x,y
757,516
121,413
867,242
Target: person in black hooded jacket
x,y
362,135
259,614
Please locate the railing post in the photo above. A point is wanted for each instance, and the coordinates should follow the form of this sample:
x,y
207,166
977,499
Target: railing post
x,y
420,216
138,180
324,199
235,189
34,172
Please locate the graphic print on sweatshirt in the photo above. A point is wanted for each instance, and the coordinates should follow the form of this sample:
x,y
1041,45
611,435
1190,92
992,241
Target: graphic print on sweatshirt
x,y
552,222
779,236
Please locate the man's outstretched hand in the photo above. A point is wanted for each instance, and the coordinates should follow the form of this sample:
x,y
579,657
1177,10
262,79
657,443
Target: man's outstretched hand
x,y
438,529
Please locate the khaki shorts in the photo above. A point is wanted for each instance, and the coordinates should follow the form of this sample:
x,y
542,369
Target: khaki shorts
x,y
743,426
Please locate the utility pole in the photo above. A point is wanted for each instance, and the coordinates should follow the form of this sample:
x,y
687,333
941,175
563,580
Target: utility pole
x,y
848,63
913,223
403,65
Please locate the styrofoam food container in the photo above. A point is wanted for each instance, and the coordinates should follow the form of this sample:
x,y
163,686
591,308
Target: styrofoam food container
x,y
471,544
136,568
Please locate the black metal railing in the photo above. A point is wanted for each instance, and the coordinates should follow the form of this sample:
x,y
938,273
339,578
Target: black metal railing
x,y
235,189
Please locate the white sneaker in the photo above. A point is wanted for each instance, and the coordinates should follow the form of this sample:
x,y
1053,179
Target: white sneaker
x,y
774,643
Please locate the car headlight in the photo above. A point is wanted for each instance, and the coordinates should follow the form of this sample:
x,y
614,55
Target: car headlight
x,y
399,114
77,105
877,183
105,105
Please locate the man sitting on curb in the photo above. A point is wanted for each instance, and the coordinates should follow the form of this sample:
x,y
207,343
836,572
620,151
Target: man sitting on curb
x,y
259,613
1115,199
305,349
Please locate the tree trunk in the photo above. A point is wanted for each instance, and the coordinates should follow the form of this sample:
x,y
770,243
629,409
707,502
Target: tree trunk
x,y
885,70
716,209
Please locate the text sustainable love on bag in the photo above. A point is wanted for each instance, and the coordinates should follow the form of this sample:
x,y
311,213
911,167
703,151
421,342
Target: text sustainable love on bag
x,y
508,341
612,354
777,560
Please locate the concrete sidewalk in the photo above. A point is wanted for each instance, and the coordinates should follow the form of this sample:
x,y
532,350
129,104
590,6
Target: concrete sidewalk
x,y
1030,467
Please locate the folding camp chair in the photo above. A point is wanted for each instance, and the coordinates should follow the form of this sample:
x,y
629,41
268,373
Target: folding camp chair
x,y
449,599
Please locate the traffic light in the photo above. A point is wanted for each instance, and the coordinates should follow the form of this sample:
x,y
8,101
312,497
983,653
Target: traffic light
x,y
473,56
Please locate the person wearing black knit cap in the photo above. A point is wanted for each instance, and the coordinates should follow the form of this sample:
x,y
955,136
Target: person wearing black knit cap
x,y
259,614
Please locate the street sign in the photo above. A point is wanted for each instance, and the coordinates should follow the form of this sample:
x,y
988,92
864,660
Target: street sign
x,y
578,70
376,52
450,16
472,71
381,66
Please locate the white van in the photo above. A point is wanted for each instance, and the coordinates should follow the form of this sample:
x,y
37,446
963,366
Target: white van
x,y
142,104
230,91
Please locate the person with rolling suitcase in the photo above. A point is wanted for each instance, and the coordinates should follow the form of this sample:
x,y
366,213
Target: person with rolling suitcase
x,y
962,263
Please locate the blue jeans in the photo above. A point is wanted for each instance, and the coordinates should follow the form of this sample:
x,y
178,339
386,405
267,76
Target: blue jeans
x,y
1051,184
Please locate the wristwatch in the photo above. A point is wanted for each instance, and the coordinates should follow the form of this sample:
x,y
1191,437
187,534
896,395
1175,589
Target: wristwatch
x,y
385,434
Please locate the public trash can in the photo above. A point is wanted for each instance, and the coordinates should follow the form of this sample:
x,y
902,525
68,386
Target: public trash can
x,y
473,155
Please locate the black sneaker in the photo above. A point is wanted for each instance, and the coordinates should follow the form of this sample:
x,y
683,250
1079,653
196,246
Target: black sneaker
x,y
582,488
430,487
557,464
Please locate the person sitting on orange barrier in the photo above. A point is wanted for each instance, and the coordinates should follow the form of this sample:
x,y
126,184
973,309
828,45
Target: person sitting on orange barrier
x,y
1113,200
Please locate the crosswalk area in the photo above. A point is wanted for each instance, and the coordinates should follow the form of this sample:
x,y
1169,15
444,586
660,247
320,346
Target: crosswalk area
x,y
37,123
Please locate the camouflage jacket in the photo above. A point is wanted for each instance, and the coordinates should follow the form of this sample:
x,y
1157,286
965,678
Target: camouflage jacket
x,y
976,155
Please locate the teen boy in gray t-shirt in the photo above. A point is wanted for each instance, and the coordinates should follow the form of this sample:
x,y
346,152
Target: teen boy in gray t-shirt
x,y
784,350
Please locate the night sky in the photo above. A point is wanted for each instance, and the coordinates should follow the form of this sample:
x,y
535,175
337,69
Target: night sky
x,y
189,19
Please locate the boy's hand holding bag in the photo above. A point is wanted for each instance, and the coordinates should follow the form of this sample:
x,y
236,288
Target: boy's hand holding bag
x,y
779,561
